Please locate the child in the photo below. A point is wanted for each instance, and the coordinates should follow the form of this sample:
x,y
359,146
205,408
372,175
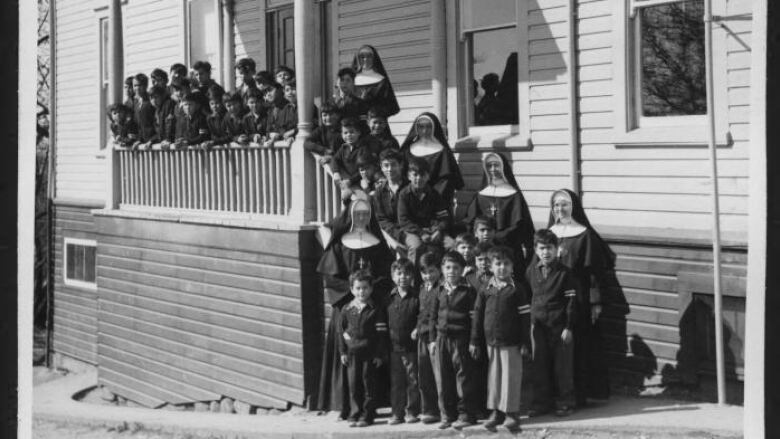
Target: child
x,y
377,122
484,229
282,119
202,74
450,322
385,199
428,372
144,112
233,122
245,70
464,244
123,127
345,97
177,71
362,348
129,94
164,118
402,312
368,173
255,119
481,274
159,77
422,214
553,310
216,120
344,162
191,127
326,139
283,74
501,321
180,87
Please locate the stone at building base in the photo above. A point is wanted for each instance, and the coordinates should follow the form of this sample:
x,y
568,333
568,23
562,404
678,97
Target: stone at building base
x,y
242,408
201,406
226,405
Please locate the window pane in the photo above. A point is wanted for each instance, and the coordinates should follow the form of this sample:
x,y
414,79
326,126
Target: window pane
x,y
70,271
495,73
476,14
78,263
204,33
104,48
672,59
89,264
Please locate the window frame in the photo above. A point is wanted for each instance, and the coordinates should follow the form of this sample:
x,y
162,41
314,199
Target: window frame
x,y
103,133
632,129
217,68
92,286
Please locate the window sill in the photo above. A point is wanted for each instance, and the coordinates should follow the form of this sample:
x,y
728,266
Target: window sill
x,y
690,135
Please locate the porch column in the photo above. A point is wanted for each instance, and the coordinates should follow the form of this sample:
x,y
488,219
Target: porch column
x,y
301,163
115,88
228,47
439,60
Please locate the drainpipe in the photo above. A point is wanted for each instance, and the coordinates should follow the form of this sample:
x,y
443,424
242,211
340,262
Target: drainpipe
x,y
439,60
574,123
228,48
719,356
115,83
50,189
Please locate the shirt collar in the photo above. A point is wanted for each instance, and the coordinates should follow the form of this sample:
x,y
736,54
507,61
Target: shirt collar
x,y
494,282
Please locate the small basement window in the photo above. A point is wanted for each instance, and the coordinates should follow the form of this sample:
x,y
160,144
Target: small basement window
x,y
79,262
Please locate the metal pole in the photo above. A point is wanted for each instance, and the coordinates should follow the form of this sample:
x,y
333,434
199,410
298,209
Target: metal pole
x,y
574,122
720,366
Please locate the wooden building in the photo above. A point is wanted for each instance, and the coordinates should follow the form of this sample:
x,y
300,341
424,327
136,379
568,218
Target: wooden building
x,y
189,275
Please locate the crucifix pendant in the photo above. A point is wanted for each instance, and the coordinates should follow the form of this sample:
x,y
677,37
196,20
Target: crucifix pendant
x,y
361,263
493,209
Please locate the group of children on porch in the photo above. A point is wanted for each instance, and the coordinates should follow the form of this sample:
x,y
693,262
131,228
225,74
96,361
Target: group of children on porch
x,y
435,316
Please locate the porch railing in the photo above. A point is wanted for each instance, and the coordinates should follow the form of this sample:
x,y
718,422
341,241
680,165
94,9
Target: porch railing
x,y
253,180
328,192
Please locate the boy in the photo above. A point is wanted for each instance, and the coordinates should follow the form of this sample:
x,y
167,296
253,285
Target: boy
x,y
385,199
345,97
129,94
422,213
485,229
368,173
402,312
450,323
233,121
144,112
427,368
245,71
501,321
123,128
377,122
164,118
283,74
282,119
464,244
191,127
202,74
326,139
344,163
481,274
553,308
362,348
177,71
254,120
159,77
216,120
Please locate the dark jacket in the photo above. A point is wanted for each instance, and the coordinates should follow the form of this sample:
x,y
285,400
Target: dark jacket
x,y
282,117
144,117
193,129
402,315
125,133
426,299
502,315
324,140
422,211
385,206
451,313
165,121
216,124
254,124
553,301
345,160
233,126
367,331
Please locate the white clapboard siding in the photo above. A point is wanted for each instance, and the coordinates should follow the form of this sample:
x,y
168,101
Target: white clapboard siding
x,y
153,37
249,29
400,31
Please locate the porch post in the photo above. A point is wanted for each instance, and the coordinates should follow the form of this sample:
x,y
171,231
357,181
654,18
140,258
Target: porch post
x,y
228,47
301,163
439,61
116,82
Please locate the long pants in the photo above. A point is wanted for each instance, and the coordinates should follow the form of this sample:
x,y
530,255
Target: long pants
x,y
428,379
457,390
362,387
416,247
505,376
404,394
552,369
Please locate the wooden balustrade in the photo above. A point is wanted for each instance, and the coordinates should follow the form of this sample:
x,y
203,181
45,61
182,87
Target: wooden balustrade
x,y
250,179
328,192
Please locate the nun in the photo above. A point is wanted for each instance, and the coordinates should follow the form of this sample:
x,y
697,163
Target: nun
x,y
372,85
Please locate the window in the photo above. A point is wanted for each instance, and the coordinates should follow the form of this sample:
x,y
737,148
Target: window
x,y
490,41
79,262
105,125
660,73
280,38
204,35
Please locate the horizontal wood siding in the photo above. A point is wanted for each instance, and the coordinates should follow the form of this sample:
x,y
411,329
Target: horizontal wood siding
x,y
75,309
153,35
400,31
200,312
644,328
249,30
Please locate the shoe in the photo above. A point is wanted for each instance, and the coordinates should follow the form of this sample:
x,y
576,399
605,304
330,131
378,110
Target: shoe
x,y
563,411
512,422
445,425
412,419
463,423
430,419
492,421
395,420
363,423
353,423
